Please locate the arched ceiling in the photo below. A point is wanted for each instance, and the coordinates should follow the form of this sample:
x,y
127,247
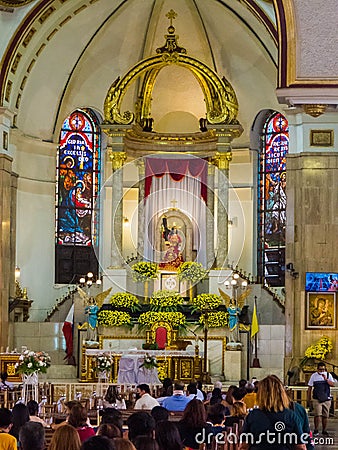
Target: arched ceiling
x,y
66,54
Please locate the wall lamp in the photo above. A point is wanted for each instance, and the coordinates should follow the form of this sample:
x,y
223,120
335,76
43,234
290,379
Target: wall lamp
x,y
292,271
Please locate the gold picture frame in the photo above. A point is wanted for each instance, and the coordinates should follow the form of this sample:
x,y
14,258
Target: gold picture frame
x,y
321,138
321,310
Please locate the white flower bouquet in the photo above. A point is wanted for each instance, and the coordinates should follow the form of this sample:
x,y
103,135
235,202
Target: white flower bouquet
x,y
149,362
33,362
104,362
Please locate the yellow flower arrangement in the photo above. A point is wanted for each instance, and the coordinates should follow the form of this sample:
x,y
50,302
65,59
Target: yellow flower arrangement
x,y
206,301
191,271
176,319
113,318
124,300
215,319
318,350
165,301
143,271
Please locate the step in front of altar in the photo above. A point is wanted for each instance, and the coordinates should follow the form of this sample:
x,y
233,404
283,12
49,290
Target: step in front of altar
x,y
59,372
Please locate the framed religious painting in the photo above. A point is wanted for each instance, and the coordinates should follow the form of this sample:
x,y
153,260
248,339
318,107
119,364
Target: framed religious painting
x,y
321,138
321,310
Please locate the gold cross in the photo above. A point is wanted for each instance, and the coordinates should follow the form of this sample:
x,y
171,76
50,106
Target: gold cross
x,y
171,16
173,202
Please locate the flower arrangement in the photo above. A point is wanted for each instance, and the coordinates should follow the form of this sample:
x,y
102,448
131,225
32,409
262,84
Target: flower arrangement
x,y
206,301
143,271
215,319
114,318
33,362
318,350
124,300
191,271
176,319
104,362
149,362
165,301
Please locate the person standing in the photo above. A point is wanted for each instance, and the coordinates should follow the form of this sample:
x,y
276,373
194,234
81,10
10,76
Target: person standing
x,y
319,386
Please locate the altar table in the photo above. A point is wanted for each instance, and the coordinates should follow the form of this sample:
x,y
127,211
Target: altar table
x,y
174,364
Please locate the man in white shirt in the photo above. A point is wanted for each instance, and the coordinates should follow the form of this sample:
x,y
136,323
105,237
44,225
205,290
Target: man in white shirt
x,y
320,381
146,401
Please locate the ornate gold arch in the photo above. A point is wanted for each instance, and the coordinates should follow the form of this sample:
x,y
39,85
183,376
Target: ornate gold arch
x,y
220,98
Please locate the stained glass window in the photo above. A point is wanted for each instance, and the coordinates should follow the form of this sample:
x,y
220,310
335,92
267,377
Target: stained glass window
x,y
78,181
272,200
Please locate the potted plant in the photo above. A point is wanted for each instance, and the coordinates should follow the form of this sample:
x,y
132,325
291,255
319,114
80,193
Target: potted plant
x,y
192,272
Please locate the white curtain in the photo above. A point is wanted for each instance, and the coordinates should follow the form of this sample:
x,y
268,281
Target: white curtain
x,y
187,194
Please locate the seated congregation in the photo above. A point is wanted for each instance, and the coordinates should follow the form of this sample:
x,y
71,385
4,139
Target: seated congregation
x,y
255,416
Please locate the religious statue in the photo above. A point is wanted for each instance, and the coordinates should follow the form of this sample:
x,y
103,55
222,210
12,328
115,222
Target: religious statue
x,y
92,307
234,309
172,257
92,310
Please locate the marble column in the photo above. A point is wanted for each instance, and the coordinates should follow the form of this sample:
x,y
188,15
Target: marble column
x,y
210,216
117,160
6,265
222,160
140,209
225,135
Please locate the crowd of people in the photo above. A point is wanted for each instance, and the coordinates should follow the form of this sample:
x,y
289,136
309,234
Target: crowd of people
x,y
263,410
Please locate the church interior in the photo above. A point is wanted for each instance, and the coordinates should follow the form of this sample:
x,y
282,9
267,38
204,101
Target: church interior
x,y
168,176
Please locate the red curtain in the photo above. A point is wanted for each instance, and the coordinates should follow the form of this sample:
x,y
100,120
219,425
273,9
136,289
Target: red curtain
x,y
177,169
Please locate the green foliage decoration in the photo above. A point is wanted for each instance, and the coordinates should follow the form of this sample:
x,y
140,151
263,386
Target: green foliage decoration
x,y
191,271
215,319
143,271
176,319
206,302
165,301
108,318
124,300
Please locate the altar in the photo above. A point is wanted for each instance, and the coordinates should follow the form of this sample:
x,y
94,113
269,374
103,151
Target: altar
x,y
174,364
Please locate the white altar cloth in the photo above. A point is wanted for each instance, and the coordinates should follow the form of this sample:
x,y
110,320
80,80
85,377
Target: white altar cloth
x,y
131,372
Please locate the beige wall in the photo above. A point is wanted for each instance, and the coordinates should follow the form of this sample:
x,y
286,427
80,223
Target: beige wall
x,y
312,238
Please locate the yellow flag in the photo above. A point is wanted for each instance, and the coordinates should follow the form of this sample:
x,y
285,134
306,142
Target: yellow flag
x,y
254,322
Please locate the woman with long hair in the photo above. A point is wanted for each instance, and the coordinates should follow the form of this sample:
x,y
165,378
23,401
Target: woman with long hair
x,y
20,417
238,412
272,425
114,399
167,436
78,418
193,427
65,438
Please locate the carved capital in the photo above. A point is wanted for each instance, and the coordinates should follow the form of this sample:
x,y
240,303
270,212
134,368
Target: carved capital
x,y
117,159
140,165
222,160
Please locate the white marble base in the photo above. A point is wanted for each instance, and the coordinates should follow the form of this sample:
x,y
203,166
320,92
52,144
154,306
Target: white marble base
x,y
116,279
232,363
217,279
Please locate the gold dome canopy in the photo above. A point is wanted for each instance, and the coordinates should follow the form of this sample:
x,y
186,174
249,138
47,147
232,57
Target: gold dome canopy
x,y
220,98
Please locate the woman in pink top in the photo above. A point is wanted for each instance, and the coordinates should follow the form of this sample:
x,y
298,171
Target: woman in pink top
x,y
78,418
